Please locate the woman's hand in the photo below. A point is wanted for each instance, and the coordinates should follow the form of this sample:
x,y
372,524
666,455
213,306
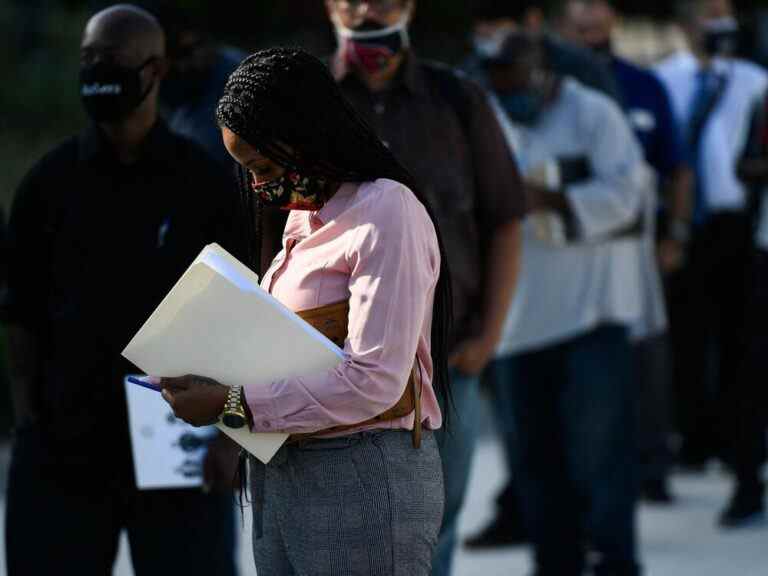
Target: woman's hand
x,y
197,400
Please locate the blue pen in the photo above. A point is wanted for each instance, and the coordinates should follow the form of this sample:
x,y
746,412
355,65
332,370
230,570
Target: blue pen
x,y
144,384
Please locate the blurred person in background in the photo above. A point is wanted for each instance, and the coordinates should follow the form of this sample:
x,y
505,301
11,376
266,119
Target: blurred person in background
x,y
565,355
199,68
649,111
713,95
101,228
749,396
493,22
443,129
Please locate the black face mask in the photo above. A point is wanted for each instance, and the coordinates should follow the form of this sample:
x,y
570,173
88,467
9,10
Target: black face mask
x,y
721,37
721,42
110,92
604,48
524,106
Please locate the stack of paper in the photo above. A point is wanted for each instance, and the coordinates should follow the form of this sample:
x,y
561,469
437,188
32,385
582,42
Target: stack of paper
x,y
218,322
167,452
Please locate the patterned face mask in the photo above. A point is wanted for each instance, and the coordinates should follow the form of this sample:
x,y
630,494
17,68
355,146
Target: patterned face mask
x,y
292,191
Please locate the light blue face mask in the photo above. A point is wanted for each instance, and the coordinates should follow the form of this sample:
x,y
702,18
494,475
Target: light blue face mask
x,y
524,107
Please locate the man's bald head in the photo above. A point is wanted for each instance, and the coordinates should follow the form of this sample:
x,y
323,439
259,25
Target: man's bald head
x,y
127,30
122,62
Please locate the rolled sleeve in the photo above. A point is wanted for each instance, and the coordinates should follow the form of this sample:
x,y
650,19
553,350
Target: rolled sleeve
x,y
394,264
613,198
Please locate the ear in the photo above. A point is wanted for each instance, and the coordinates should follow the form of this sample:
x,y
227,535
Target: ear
x,y
161,67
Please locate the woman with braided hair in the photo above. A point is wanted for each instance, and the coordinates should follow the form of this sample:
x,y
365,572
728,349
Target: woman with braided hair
x,y
358,487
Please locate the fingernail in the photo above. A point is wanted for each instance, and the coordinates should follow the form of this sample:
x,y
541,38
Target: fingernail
x,y
154,380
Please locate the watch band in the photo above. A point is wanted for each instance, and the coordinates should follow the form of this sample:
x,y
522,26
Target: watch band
x,y
234,413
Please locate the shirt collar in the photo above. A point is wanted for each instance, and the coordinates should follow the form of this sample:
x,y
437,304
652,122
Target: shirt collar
x,y
409,76
337,204
157,146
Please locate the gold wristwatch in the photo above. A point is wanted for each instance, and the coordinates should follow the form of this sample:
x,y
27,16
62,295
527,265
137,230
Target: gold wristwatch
x,y
234,413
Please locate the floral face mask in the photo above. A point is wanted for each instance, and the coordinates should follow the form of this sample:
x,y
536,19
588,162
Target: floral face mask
x,y
293,191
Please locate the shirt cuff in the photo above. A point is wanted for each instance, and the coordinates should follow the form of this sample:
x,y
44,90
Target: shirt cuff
x,y
261,404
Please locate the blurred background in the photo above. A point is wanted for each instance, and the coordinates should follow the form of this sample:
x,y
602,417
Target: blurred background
x,y
39,102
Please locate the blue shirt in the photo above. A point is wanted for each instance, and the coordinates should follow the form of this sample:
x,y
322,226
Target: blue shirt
x,y
648,107
196,118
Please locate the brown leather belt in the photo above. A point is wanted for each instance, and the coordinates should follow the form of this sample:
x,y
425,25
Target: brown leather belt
x,y
333,322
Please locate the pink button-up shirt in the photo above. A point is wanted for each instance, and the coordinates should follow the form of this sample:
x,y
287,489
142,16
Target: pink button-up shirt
x,y
374,244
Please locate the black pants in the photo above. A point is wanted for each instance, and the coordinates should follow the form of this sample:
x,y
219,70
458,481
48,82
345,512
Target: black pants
x,y
573,428
64,516
652,371
750,393
707,329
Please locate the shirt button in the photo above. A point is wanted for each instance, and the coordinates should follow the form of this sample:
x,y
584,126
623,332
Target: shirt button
x,y
379,108
385,142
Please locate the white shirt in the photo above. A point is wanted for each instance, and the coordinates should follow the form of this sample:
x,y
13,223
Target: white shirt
x,y
565,291
726,131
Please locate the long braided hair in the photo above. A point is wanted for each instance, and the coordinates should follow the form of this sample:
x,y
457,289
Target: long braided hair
x,y
285,103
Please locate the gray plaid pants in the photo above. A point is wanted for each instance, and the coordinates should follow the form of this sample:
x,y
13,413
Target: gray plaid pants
x,y
368,504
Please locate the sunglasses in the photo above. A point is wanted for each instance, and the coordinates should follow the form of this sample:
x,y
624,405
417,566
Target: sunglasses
x,y
356,6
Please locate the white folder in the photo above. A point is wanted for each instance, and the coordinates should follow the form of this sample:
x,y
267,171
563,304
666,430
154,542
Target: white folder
x,y
219,323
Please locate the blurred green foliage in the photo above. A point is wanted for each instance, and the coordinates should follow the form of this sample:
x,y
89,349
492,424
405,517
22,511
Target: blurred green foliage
x,y
39,99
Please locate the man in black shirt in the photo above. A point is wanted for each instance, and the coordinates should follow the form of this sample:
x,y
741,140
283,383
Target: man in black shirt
x,y
101,229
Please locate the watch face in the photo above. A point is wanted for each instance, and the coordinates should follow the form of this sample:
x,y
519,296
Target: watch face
x,y
233,420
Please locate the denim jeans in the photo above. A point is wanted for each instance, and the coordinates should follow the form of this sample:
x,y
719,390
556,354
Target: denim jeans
x,y
457,444
575,461
502,376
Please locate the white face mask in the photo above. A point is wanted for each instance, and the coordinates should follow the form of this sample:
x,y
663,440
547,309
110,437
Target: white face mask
x,y
490,46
